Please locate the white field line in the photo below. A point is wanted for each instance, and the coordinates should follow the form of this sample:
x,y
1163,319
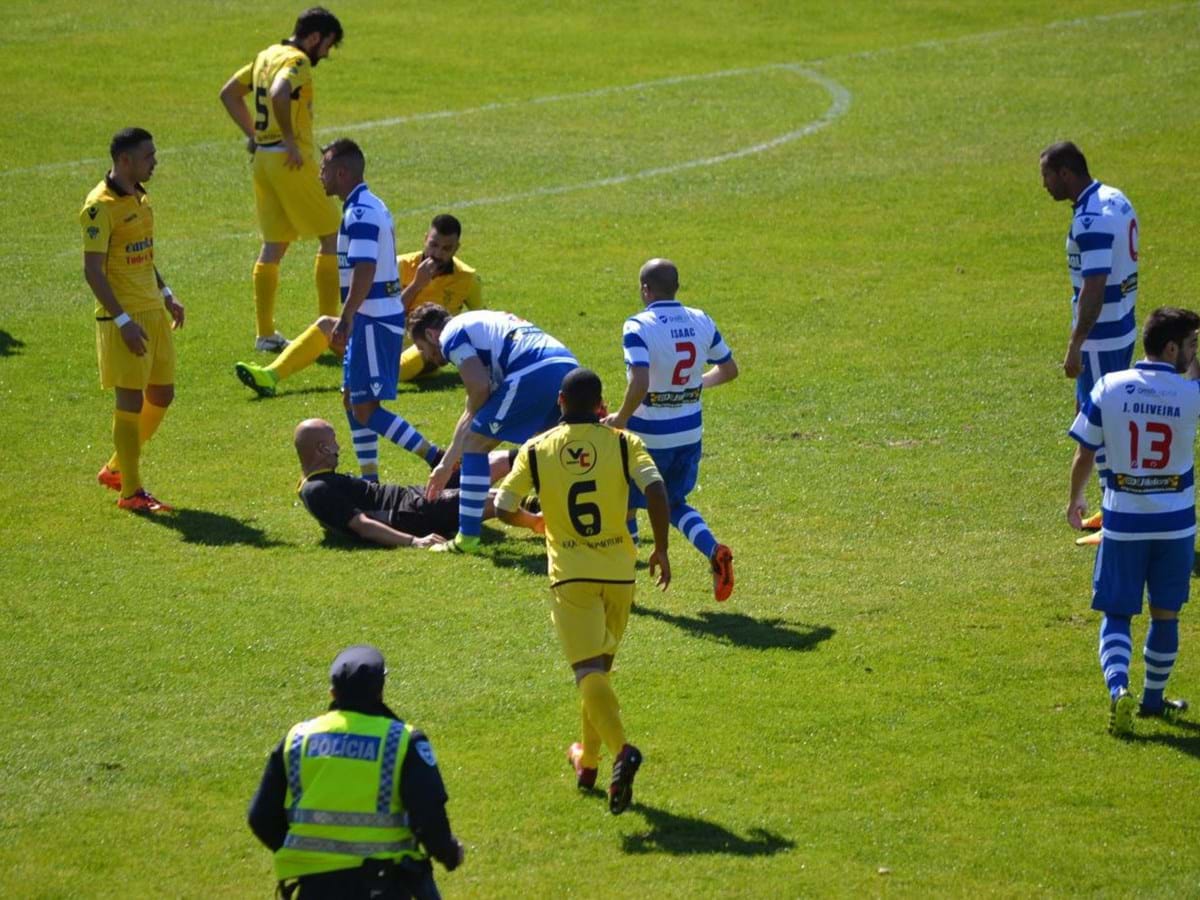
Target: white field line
x,y
393,121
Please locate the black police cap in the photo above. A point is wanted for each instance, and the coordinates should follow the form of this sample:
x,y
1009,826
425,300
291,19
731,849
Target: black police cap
x,y
358,671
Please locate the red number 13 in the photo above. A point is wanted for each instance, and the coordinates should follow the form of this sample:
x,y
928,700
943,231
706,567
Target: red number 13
x,y
687,359
1160,447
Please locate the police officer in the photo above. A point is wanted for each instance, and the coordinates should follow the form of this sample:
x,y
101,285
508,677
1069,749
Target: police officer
x,y
351,803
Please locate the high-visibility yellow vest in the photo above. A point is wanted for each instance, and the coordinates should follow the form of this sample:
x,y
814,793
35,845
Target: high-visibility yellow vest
x,y
343,795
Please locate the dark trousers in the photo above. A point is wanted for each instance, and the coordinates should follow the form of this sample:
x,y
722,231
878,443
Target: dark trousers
x,y
373,880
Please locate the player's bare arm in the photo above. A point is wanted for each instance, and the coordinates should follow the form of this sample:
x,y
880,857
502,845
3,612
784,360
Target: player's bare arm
x,y
659,508
131,332
721,373
479,389
281,106
425,271
174,307
361,279
385,535
233,98
635,393
1081,471
1091,302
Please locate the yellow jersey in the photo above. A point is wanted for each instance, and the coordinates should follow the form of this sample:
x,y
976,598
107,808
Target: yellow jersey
x,y
291,63
581,471
121,226
455,290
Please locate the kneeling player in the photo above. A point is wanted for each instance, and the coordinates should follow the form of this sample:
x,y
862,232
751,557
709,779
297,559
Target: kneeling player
x,y
1145,418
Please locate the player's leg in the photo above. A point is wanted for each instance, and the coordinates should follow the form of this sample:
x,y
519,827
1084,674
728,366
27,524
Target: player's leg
x,y
618,600
159,363
369,375
474,480
277,232
325,274
297,355
680,467
365,443
313,214
413,365
1169,584
1118,580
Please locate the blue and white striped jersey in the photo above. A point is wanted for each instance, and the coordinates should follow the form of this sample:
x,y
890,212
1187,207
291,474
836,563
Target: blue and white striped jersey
x,y
673,341
1103,241
1145,419
367,235
504,343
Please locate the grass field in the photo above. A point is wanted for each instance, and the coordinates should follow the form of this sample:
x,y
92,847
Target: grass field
x,y
902,697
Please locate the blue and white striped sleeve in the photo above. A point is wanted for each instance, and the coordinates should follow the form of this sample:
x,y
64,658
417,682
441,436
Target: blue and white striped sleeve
x,y
635,349
456,344
1087,428
1095,237
362,228
718,350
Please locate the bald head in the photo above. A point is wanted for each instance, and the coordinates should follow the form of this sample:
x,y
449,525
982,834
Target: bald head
x,y
316,445
659,279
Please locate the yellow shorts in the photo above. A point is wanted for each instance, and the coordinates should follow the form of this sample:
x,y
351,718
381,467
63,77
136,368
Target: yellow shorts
x,y
119,368
590,617
291,203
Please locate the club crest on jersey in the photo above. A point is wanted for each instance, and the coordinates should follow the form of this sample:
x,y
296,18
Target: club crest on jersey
x,y
1087,223
93,232
578,457
92,212
376,387
1129,388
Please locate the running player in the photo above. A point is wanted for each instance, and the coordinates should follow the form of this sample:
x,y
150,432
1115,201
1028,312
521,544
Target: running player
x,y
665,347
1146,416
434,274
135,311
512,371
287,191
1102,260
582,472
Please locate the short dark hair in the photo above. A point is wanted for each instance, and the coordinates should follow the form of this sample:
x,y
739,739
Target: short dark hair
x,y
1166,324
582,392
1065,155
318,20
426,316
346,153
126,139
446,224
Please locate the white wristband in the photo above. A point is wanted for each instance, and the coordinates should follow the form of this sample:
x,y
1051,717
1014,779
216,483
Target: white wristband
x,y
166,292
122,320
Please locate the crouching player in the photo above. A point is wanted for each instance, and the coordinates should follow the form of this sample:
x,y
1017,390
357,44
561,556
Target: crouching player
x,y
1144,418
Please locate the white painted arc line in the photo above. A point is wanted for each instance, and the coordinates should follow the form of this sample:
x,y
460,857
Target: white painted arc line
x,y
840,102
598,92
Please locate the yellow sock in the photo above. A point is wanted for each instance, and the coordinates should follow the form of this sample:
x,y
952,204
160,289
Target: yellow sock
x,y
412,364
300,353
266,285
128,444
590,758
148,423
329,293
600,704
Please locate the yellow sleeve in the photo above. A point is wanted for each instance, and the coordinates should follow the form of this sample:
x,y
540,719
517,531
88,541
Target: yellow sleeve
x,y
245,76
519,483
641,467
97,228
474,299
297,73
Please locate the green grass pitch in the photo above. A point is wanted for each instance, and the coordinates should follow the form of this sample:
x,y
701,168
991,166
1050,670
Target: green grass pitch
x,y
902,697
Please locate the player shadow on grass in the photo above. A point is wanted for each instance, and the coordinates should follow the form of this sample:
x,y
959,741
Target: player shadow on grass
x,y
742,630
212,529
1188,743
687,835
505,553
9,345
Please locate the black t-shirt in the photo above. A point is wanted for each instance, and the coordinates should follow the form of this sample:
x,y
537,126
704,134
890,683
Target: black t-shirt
x,y
334,499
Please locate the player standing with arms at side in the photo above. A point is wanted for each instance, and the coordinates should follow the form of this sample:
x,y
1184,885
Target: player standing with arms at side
x,y
370,330
581,472
665,347
1145,417
135,311
287,192
1102,260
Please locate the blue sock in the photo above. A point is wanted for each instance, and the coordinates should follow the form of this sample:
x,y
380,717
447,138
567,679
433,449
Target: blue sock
x,y
1162,646
472,493
1116,647
633,527
366,448
397,430
694,528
